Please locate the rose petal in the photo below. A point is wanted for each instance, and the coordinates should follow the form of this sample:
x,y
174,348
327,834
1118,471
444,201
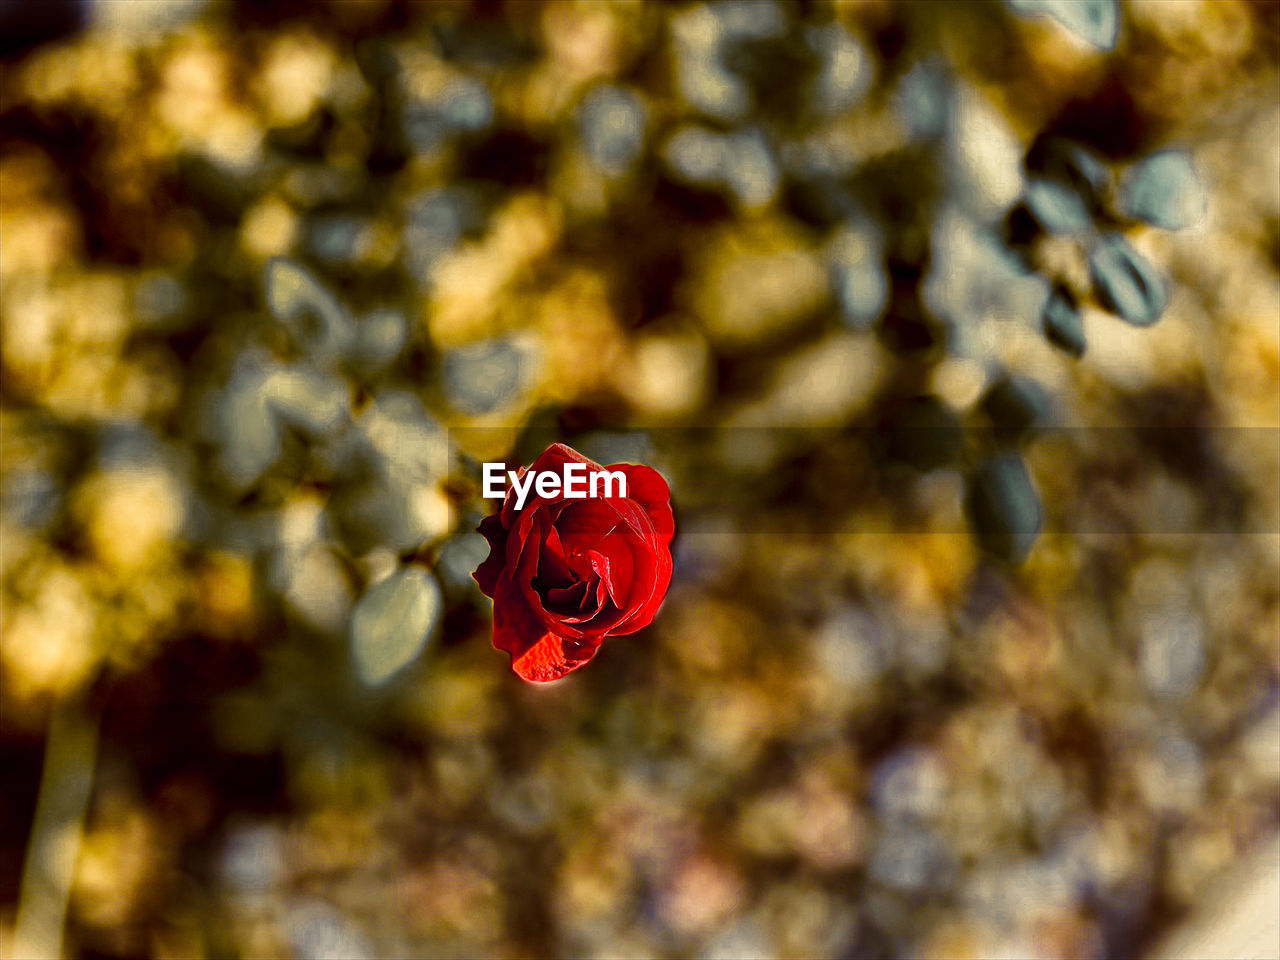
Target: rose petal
x,y
648,488
633,568
636,519
568,624
584,523
533,529
553,567
647,611
567,600
518,537
516,624
615,563
586,621
600,564
486,575
553,458
602,594
523,566
653,566
552,657
591,601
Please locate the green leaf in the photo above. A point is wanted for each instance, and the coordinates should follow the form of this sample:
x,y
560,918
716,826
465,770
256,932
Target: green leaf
x,y
1016,407
392,623
1071,164
1096,22
308,399
1164,191
1056,207
1004,508
319,323
1125,283
1063,325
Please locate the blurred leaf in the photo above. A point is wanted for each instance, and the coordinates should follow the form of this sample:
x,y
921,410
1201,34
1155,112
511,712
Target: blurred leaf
x,y
845,71
434,223
338,238
984,153
923,99
740,163
1056,207
750,19
293,295
862,290
1164,191
317,931
395,501
1004,508
1125,283
1063,325
316,587
247,425
482,377
459,556
612,123
1096,22
308,399
1071,164
252,859
402,439
696,154
381,337
30,498
974,276
750,171
464,105
702,79
856,268
387,511
392,623
1016,407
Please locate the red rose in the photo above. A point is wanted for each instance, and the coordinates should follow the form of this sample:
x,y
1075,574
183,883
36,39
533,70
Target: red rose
x,y
566,573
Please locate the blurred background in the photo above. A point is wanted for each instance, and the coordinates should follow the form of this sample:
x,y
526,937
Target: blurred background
x,y
955,328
